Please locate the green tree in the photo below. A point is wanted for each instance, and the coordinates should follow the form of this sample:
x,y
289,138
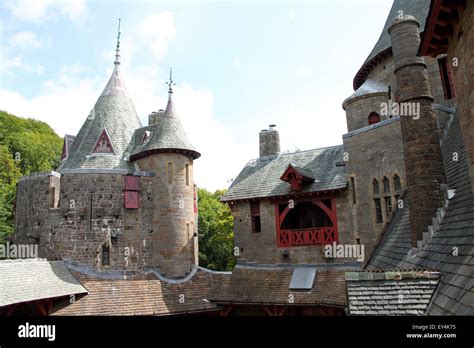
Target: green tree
x,y
216,240
26,146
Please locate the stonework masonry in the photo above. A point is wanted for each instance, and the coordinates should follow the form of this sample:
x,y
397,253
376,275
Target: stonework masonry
x,y
373,154
423,161
174,245
91,216
462,47
262,247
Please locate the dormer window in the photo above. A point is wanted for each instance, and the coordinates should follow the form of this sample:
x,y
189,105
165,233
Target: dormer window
x,y
103,144
146,137
297,177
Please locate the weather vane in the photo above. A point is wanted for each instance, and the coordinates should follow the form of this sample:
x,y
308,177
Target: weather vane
x,y
171,82
118,35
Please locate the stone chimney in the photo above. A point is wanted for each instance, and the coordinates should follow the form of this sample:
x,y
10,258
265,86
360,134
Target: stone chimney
x,y
154,117
269,142
422,152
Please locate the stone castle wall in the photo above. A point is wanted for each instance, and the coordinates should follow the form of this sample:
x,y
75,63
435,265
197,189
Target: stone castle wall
x,y
384,73
461,46
262,247
373,153
90,214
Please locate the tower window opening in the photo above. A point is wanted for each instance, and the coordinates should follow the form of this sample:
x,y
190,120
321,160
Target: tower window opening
x,y
170,173
105,255
375,187
354,197
378,210
374,118
386,185
397,183
187,175
256,221
388,205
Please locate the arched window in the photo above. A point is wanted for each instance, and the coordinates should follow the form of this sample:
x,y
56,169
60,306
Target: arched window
x,y
374,118
386,185
397,184
375,187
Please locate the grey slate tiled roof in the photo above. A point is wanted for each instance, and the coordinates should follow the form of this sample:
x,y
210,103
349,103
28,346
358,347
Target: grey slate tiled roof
x,y
455,294
23,280
417,8
168,134
391,292
368,87
69,140
261,177
113,111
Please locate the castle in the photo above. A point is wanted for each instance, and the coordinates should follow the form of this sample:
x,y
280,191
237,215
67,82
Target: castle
x,y
117,221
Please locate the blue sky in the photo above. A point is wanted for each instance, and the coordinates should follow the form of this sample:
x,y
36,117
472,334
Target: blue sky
x,y
239,66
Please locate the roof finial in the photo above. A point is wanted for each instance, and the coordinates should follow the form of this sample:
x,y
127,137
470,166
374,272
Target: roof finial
x,y
171,83
117,50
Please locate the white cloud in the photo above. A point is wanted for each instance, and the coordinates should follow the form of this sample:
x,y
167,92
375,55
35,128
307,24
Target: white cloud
x,y
223,156
64,105
7,65
157,30
41,10
25,39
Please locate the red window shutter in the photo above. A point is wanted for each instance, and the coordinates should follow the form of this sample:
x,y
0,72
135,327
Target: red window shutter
x,y
255,208
131,199
131,183
195,200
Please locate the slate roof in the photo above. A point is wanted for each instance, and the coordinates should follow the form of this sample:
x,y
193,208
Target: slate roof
x,y
368,87
114,111
167,135
417,8
261,177
68,141
254,285
23,280
391,292
455,294
145,296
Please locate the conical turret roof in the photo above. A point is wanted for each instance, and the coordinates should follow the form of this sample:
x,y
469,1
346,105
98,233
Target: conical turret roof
x,y
112,119
167,135
416,8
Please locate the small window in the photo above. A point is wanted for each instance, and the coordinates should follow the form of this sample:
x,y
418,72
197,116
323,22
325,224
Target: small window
x,y
374,118
256,224
386,185
256,221
105,255
375,187
188,230
388,205
397,183
354,197
378,210
170,173
446,78
187,175
146,137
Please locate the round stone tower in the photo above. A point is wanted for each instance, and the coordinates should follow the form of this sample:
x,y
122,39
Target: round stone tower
x,y
164,150
423,161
